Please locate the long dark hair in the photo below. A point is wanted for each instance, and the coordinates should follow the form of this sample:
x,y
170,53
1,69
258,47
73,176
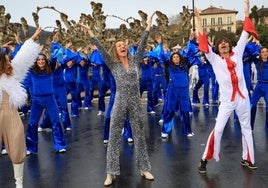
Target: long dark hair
x,y
4,66
36,69
184,64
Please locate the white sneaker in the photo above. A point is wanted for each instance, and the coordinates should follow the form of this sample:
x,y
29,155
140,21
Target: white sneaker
x,y
152,112
68,129
40,129
86,108
161,121
101,113
28,152
164,135
21,114
4,152
105,141
190,135
129,140
62,151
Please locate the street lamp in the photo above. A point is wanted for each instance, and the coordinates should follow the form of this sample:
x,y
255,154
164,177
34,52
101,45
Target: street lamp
x,y
193,15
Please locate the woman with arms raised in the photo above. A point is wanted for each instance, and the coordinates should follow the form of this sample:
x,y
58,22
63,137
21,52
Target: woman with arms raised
x,y
13,96
125,69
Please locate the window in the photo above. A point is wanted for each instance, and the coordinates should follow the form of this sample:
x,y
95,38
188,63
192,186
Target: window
x,y
220,21
229,20
229,29
204,22
212,21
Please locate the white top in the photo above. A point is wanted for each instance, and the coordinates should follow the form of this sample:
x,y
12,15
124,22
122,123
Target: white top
x,y
222,73
21,63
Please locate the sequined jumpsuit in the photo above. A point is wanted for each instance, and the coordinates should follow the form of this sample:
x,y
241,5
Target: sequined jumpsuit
x,y
127,103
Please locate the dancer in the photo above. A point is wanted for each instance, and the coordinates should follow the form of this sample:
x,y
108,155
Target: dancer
x,y
127,132
83,81
228,67
96,62
60,92
125,69
12,96
203,80
177,96
70,77
43,98
159,78
146,82
261,89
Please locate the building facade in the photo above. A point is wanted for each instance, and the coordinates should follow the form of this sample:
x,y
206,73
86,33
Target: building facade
x,y
218,19
263,16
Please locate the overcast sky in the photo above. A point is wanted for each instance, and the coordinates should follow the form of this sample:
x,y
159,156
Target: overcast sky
x,y
121,8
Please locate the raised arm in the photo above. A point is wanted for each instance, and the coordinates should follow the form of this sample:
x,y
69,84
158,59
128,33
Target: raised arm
x,y
198,19
143,41
202,38
150,21
91,34
246,9
37,33
248,28
107,58
248,25
26,55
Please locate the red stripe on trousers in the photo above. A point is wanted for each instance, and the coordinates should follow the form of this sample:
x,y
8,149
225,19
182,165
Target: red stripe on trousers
x,y
210,146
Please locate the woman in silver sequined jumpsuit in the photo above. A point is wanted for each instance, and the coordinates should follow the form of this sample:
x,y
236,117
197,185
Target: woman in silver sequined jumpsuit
x,y
125,69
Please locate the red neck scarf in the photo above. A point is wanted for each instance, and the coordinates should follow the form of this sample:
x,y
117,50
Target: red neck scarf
x,y
231,67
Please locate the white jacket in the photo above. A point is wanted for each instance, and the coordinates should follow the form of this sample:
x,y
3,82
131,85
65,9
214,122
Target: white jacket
x,y
21,63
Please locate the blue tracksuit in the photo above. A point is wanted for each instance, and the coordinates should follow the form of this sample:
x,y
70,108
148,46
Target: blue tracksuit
x,y
96,80
43,98
105,86
158,58
146,84
203,80
260,90
214,83
177,97
70,75
60,94
84,84
251,51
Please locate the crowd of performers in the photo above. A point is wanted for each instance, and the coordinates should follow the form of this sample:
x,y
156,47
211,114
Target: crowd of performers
x,y
166,74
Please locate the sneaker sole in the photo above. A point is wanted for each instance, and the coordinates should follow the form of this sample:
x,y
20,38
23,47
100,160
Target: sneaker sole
x,y
202,171
249,167
252,168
